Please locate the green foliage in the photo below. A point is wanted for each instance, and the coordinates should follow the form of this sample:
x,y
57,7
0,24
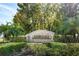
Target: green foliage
x,y
55,49
66,38
39,49
10,48
38,16
72,49
10,30
55,44
18,39
47,49
63,49
58,38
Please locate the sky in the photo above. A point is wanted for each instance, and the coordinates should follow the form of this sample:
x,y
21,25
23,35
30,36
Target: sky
x,y
7,12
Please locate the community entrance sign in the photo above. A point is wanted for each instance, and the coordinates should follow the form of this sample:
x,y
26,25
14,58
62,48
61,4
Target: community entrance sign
x,y
41,36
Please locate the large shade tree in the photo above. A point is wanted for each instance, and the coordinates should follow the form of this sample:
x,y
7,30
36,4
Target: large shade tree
x,y
38,16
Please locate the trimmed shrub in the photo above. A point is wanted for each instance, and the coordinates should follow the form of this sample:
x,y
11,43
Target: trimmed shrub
x,y
18,39
46,49
52,49
72,49
10,48
55,44
39,49
65,39
55,48
63,49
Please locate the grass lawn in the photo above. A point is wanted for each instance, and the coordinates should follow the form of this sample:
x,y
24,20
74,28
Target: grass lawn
x,y
1,40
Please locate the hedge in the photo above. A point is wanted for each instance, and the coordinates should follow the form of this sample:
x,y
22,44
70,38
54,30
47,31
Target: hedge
x,y
10,48
66,38
54,49
63,49
18,39
39,49
46,49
